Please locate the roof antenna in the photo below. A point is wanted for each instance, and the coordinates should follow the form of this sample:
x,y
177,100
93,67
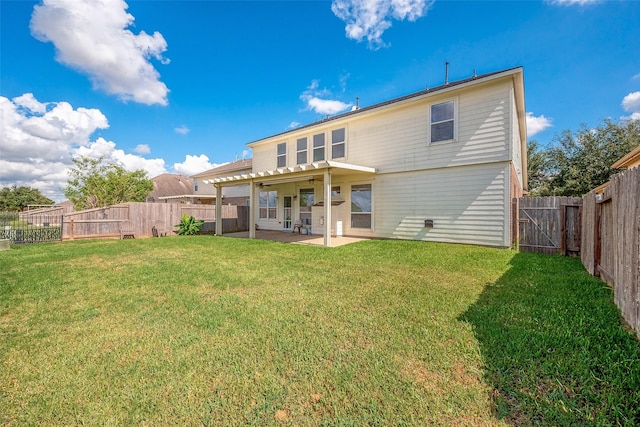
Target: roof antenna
x,y
446,73
357,102
474,73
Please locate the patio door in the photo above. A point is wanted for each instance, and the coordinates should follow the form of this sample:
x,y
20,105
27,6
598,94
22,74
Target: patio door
x,y
287,222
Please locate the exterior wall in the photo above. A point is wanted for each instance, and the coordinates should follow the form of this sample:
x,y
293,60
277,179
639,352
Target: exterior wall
x,y
467,205
395,139
516,144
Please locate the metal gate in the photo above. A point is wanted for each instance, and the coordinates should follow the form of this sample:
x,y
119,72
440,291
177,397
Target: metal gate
x,y
27,227
550,225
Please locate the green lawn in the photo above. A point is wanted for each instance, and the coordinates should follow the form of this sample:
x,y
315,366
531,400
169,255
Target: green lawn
x,y
219,331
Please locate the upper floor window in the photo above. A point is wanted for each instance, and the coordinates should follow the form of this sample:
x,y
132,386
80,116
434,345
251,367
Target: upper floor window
x,y
318,147
338,142
442,121
282,154
302,150
195,185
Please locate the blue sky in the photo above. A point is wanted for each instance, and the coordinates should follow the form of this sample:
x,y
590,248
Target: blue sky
x,y
182,86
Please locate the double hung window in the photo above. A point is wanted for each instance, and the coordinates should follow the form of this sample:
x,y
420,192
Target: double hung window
x,y
301,147
318,147
268,204
442,121
338,143
282,154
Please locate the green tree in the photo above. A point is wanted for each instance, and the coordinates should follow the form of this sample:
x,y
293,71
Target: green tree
x,y
94,184
537,169
17,198
580,161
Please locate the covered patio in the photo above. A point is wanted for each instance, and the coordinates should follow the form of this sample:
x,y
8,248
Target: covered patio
x,y
322,171
302,239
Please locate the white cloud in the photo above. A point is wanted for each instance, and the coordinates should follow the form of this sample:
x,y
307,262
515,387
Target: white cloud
x,y
142,149
572,2
130,162
91,36
182,130
30,103
293,125
194,164
368,19
312,98
38,140
536,124
631,102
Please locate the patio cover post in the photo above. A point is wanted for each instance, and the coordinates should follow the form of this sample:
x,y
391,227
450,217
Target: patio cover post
x,y
327,208
218,210
252,210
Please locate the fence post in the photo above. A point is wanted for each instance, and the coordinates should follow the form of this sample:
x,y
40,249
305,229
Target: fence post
x,y
597,240
73,230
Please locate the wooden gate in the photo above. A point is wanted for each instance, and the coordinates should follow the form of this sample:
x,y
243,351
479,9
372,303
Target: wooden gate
x,y
550,225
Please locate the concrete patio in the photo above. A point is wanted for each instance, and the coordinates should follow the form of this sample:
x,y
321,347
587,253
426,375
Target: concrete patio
x,y
289,237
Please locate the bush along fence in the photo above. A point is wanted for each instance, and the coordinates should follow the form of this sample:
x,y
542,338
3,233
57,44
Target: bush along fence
x,y
31,227
611,240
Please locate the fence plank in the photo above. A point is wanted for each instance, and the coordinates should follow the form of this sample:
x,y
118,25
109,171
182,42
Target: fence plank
x,y
545,225
611,241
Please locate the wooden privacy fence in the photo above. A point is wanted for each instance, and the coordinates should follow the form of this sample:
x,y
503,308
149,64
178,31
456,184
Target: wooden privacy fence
x,y
142,217
611,240
549,225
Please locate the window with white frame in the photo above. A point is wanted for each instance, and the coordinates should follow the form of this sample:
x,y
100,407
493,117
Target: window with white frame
x,y
195,185
282,154
318,147
301,153
361,206
442,121
268,201
338,143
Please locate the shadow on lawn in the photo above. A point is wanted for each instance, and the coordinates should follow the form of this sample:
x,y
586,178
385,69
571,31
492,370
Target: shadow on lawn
x,y
554,349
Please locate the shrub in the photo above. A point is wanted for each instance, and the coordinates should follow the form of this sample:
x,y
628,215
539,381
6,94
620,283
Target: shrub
x,y
189,226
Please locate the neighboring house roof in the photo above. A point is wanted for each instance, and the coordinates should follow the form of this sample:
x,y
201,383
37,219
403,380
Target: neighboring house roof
x,y
225,169
170,186
630,160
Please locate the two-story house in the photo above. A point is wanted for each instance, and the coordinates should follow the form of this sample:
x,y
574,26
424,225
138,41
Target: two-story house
x,y
442,164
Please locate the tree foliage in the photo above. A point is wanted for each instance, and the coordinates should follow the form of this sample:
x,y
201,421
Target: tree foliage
x,y
578,162
93,184
17,198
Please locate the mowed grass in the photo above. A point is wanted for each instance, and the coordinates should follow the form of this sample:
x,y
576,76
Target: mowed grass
x,y
219,331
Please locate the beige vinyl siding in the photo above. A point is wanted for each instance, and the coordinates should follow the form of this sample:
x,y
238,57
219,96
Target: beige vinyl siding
x,y
398,139
516,143
467,204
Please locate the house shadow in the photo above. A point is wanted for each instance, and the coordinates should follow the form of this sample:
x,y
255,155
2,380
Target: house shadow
x,y
553,349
